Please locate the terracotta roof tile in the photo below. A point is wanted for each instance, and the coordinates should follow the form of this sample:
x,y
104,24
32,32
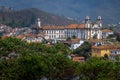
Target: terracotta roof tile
x,y
96,40
20,36
72,41
4,37
75,40
106,47
106,30
53,27
78,59
81,26
75,26
72,26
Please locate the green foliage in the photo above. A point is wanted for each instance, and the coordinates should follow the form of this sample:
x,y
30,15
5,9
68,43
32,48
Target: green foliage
x,y
61,48
84,50
111,36
68,39
106,56
36,61
73,36
97,69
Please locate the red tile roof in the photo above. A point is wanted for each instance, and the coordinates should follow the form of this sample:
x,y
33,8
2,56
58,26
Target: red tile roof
x,y
20,36
53,27
75,26
96,40
81,26
71,26
106,47
4,37
72,41
106,30
78,59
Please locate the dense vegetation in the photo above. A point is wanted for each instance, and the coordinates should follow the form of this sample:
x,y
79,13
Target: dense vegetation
x,y
36,61
83,50
27,17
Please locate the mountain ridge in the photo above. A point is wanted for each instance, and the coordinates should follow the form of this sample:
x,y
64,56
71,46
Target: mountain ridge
x,y
27,17
76,9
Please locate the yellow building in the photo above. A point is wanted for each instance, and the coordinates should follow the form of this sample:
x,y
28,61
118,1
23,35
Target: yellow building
x,y
100,51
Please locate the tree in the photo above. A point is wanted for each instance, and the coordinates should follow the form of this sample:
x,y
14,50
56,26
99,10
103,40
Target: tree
x,y
96,69
59,67
83,50
68,39
117,68
106,56
111,36
61,48
73,36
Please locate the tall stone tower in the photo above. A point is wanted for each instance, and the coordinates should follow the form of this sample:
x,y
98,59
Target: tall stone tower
x,y
99,23
38,23
37,28
87,28
87,22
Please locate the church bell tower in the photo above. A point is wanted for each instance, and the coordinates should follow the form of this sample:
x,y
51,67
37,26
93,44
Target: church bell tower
x,y
99,21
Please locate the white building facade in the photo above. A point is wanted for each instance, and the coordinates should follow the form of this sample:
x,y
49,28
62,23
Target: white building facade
x,y
85,30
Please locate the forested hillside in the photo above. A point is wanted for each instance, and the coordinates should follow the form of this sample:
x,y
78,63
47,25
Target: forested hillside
x,y
27,17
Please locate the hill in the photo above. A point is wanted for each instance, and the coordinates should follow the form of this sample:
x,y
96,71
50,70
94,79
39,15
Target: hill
x,y
27,17
116,28
77,9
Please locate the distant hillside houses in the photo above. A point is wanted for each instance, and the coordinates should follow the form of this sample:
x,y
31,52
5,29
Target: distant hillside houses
x,y
84,31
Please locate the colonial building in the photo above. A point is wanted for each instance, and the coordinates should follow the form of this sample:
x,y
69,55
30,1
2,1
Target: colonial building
x,y
93,30
106,33
110,50
85,30
54,32
74,43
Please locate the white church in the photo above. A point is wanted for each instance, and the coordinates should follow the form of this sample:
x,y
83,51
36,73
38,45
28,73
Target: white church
x,y
85,31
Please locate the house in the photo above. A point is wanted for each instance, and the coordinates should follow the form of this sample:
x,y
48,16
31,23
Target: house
x,y
100,51
33,38
21,36
97,42
77,58
106,33
114,53
74,43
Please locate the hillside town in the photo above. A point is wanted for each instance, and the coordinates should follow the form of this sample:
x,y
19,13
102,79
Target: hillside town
x,y
73,35
59,40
